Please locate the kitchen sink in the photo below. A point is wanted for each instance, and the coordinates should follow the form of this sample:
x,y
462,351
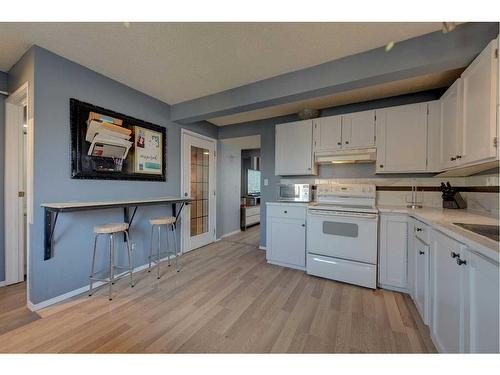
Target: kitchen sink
x,y
490,231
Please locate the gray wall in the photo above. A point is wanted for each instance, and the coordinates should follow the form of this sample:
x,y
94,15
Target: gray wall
x,y
265,128
3,81
228,191
2,160
56,81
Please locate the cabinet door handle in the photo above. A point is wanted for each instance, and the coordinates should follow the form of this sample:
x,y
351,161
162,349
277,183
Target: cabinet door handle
x,y
346,142
339,143
419,229
453,159
455,255
285,212
381,165
303,225
421,252
461,262
458,157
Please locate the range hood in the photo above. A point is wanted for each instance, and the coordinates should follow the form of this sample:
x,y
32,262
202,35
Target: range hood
x,y
359,155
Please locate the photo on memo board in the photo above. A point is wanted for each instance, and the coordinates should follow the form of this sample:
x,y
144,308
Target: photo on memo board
x,y
112,146
148,152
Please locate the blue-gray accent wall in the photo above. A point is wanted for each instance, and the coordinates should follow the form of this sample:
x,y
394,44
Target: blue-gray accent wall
x,y
266,130
56,80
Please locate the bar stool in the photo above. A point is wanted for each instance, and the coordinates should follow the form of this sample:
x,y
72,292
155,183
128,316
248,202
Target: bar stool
x,y
169,223
112,230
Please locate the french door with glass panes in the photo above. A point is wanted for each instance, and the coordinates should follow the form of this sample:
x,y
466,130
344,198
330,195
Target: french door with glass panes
x,y
198,183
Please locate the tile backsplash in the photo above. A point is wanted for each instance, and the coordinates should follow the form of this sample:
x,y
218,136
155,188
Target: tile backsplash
x,y
484,202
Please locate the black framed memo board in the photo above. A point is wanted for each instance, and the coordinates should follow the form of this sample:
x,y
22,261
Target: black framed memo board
x,y
107,145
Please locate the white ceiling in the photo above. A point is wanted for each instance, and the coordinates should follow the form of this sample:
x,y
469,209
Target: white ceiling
x,y
406,86
175,62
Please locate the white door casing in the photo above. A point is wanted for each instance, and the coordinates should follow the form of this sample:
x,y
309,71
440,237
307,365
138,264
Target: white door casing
x,y
14,184
193,240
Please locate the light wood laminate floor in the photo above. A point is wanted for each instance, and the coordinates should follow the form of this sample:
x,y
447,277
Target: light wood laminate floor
x,y
227,299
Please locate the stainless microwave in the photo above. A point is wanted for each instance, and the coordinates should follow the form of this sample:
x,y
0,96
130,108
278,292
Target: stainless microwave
x,y
294,193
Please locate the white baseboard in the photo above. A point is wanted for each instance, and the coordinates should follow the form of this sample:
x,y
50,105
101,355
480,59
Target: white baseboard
x,y
230,234
83,289
263,248
2,283
393,288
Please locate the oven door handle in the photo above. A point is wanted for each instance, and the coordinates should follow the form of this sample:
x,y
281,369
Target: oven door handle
x,y
343,214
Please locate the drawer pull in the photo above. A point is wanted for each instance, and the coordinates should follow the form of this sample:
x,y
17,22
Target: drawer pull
x,y
285,212
455,255
421,252
419,229
461,262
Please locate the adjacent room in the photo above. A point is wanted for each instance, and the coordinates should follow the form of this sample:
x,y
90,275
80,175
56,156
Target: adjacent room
x,y
253,187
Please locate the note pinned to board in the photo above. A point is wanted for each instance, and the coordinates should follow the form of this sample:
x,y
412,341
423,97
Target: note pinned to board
x,y
148,156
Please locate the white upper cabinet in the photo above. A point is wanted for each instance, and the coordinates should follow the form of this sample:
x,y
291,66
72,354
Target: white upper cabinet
x,y
434,136
451,125
402,139
293,149
479,107
327,133
358,129
353,130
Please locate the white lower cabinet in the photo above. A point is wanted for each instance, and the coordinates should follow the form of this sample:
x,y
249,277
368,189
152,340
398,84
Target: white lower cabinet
x,y
447,295
421,279
481,301
393,251
456,291
286,235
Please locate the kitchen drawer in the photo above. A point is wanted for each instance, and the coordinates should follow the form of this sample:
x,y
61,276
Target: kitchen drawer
x,y
252,210
422,231
287,211
253,219
363,274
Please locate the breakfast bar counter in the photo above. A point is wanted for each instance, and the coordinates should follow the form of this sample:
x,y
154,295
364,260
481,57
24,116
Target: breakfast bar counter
x,y
52,211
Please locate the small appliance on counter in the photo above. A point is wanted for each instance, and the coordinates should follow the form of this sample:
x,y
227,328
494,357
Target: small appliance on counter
x,y
451,197
294,193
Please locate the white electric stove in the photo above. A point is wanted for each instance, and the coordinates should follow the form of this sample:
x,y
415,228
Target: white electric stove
x,y
342,234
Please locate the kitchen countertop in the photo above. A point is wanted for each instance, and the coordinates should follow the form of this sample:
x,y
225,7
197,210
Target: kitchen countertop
x,y
442,219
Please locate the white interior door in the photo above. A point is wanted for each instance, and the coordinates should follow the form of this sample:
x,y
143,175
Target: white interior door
x,y
14,194
198,183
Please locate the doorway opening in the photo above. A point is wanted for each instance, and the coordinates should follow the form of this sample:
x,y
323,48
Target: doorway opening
x,y
240,184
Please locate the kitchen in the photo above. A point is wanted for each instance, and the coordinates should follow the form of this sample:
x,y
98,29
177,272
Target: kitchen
x,y
446,258
334,192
